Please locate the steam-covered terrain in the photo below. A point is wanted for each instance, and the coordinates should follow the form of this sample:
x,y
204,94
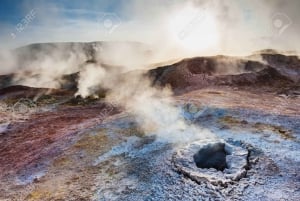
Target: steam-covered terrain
x,y
78,124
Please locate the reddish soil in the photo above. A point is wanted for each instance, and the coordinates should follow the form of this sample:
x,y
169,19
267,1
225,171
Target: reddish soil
x,y
48,135
40,137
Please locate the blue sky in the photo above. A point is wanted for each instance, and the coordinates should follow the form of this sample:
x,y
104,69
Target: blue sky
x,y
12,11
52,16
239,21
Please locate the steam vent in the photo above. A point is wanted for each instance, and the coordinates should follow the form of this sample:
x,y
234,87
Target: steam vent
x,y
150,100
217,162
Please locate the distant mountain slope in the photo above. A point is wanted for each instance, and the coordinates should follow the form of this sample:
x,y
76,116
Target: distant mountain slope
x,y
202,72
33,52
266,68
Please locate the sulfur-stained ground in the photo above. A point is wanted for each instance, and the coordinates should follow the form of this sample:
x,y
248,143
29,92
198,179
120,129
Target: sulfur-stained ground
x,y
72,151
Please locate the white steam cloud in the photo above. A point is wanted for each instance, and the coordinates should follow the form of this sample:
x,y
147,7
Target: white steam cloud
x,y
90,79
154,108
232,27
226,27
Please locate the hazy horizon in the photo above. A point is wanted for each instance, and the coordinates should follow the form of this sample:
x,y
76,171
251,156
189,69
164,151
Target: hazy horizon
x,y
235,27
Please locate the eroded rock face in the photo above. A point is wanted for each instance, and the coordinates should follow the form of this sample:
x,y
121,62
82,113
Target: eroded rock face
x,y
217,162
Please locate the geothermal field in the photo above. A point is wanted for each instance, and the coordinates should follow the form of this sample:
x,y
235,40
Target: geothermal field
x,y
203,128
212,115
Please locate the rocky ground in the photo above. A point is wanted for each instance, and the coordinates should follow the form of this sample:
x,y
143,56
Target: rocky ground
x,y
56,147
70,150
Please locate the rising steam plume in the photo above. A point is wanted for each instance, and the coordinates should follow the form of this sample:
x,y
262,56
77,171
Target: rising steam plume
x,y
233,25
153,108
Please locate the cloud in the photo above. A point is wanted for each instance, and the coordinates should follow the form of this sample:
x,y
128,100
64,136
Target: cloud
x,y
243,26
238,27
